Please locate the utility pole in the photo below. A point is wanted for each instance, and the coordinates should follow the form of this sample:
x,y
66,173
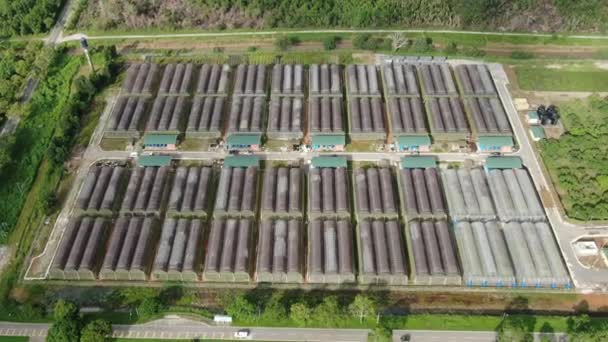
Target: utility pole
x,y
85,46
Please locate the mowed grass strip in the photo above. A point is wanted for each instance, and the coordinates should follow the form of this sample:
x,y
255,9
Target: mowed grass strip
x,y
546,79
14,339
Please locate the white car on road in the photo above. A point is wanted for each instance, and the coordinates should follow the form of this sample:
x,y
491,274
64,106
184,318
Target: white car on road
x,y
242,333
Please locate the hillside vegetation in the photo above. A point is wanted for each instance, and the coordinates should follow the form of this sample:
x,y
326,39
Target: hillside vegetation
x,y
511,15
578,161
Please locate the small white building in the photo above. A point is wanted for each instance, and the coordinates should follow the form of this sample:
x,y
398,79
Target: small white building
x,y
586,248
222,319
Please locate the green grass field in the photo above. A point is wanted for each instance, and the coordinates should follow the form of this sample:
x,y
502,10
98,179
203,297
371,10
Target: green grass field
x,y
13,339
537,77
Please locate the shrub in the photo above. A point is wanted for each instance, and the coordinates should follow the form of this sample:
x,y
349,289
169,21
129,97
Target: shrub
x,y
284,42
50,202
149,307
366,41
423,44
331,42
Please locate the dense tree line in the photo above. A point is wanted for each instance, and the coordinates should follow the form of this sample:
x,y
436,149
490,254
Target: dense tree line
x,y
18,17
84,89
538,15
578,160
68,326
17,62
48,126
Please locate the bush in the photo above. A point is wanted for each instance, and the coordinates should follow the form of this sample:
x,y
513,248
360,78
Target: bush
x,y
473,51
50,202
97,331
366,41
330,43
149,307
423,45
284,42
522,55
66,323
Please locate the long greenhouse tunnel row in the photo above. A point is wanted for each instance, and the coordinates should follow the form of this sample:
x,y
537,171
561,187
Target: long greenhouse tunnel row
x,y
328,220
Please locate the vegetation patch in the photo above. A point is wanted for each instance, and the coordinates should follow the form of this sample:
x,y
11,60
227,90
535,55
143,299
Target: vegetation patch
x,y
520,15
578,161
561,78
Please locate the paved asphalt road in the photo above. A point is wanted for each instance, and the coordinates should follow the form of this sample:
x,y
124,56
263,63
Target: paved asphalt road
x,y
77,36
178,328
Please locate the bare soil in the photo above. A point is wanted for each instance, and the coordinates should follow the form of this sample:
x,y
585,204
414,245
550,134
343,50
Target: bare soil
x,y
544,51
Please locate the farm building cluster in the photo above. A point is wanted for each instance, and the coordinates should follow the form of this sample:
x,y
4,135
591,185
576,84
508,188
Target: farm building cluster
x,y
408,105
320,221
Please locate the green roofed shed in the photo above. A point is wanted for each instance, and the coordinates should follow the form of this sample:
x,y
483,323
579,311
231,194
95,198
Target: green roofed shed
x,y
155,160
157,140
418,162
328,140
244,140
413,143
495,143
241,161
329,162
533,115
537,132
413,140
503,163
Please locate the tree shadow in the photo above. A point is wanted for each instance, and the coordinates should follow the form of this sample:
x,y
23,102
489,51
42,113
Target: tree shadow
x,y
518,322
170,294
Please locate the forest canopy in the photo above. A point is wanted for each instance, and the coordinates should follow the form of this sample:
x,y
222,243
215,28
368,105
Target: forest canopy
x,y
19,17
